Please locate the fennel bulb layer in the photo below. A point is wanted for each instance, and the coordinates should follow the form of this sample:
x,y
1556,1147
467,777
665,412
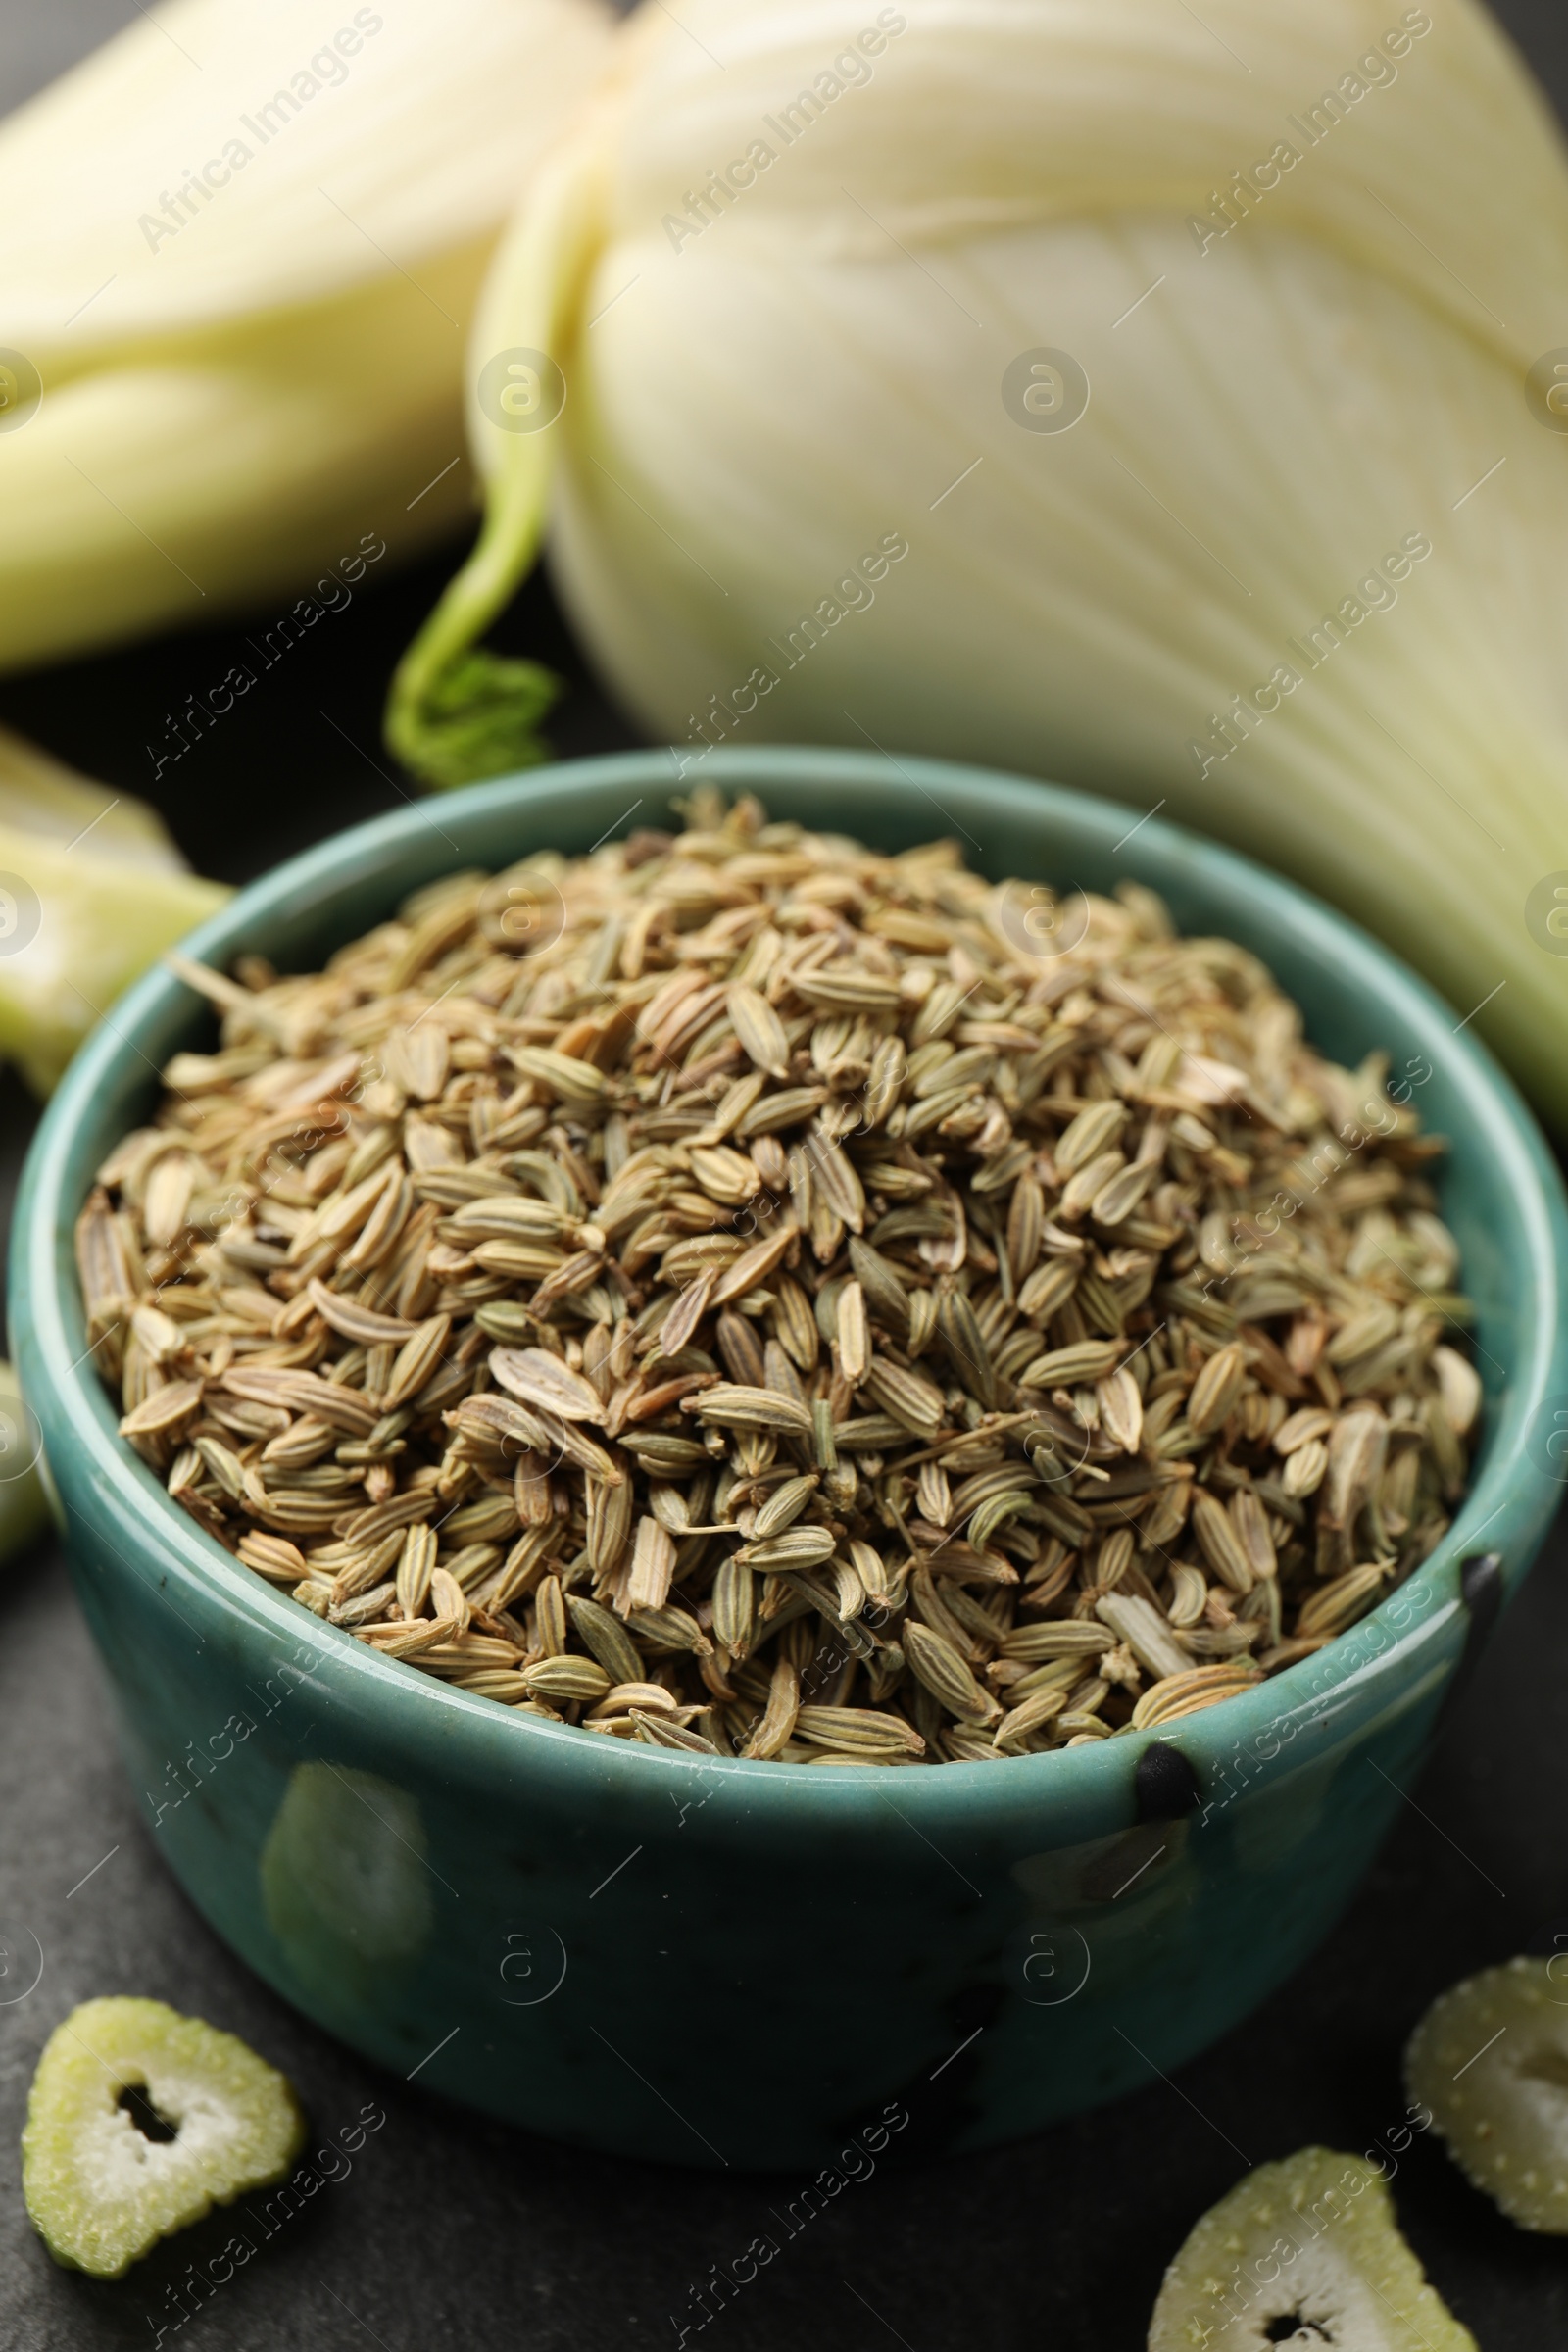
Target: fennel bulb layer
x,y
1289,568
243,252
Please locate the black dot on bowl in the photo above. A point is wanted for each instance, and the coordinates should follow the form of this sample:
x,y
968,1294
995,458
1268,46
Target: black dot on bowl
x,y
1165,1785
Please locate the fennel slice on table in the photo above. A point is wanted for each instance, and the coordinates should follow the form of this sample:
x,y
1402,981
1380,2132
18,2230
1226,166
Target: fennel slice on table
x,y
1310,2240
139,2123
1490,2058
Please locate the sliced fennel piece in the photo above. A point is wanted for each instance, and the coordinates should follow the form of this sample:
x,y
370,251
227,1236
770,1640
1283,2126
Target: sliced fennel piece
x,y
92,888
1313,2239
140,2121
1490,2058
41,794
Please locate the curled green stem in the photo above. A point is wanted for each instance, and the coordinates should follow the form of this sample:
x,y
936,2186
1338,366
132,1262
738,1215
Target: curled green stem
x,y
456,712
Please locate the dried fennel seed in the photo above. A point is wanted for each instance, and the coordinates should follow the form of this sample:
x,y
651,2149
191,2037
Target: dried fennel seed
x,y
733,1293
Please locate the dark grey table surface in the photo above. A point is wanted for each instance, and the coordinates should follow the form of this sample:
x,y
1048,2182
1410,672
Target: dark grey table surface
x,y
453,2229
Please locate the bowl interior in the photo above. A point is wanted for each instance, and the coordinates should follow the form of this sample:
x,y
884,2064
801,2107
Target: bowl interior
x,y
1500,1191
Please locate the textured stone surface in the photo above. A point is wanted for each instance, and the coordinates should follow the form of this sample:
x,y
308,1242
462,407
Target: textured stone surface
x,y
448,2229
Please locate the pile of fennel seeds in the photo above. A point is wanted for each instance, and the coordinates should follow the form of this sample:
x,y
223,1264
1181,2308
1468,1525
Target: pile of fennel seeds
x,y
738,1292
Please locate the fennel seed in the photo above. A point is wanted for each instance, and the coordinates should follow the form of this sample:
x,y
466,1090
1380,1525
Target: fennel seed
x,y
780,1314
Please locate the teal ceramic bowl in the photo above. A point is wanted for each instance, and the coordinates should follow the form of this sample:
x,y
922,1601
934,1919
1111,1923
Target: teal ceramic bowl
x,y
711,1962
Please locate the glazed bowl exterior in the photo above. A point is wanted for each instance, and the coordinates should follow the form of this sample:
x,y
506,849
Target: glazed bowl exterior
x,y
713,1962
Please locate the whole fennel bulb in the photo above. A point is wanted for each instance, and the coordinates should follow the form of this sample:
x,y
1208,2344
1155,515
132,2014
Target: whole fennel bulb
x,y
242,248
1300,257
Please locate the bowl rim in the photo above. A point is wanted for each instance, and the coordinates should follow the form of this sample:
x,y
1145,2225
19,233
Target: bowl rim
x,y
1097,1777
